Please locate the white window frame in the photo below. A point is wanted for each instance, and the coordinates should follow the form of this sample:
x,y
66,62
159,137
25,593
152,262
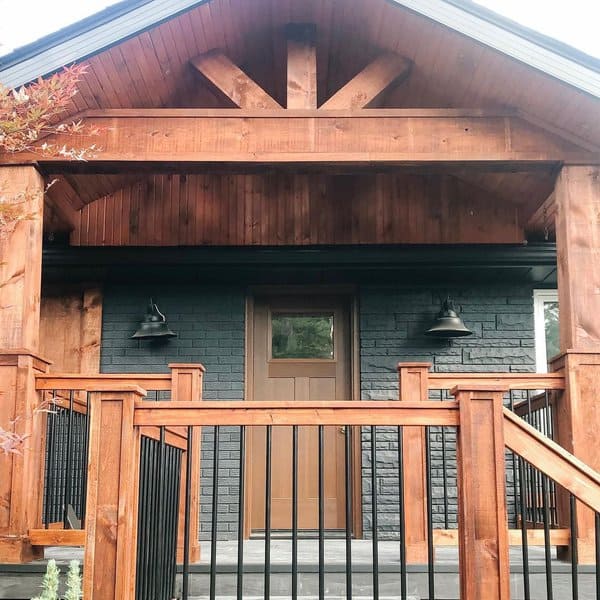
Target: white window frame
x,y
539,298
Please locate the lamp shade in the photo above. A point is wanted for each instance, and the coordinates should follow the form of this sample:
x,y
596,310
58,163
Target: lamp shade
x,y
153,326
448,324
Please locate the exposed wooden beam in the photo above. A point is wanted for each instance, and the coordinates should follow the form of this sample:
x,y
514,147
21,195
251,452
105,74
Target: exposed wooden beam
x,y
385,137
301,65
64,201
373,80
543,219
241,89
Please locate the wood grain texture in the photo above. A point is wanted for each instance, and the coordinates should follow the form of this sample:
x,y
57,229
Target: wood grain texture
x,y
412,380
314,137
229,79
70,328
298,209
301,66
21,259
363,89
482,518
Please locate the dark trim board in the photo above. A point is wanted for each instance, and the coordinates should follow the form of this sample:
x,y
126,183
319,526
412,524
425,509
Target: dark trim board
x,y
534,263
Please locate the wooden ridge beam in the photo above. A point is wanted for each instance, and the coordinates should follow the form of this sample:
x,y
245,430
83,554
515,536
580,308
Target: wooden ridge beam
x,y
301,65
392,137
230,80
371,82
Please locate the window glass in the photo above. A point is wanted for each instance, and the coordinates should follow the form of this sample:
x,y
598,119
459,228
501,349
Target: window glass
x,y
301,336
551,329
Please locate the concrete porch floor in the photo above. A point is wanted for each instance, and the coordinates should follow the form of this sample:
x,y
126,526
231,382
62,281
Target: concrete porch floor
x,y
22,581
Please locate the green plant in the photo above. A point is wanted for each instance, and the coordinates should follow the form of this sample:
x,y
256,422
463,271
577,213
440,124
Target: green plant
x,y
51,578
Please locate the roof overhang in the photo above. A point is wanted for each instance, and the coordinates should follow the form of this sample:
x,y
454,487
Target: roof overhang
x,y
117,24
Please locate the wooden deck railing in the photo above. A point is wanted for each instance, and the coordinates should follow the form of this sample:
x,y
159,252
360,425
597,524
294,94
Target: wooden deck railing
x,y
484,428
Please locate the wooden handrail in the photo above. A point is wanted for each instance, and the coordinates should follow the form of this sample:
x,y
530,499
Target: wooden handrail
x,y
71,381
296,413
512,381
552,460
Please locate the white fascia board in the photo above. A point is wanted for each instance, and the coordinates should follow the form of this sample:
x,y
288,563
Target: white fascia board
x,y
511,44
94,40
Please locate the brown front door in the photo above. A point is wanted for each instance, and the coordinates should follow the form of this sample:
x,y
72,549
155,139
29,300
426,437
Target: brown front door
x,y
300,351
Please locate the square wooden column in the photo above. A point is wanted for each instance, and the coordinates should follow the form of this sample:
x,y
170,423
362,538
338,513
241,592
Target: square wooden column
x,y
112,494
482,520
186,386
413,386
21,483
578,253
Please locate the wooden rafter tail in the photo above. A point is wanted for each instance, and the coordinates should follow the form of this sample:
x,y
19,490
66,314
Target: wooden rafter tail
x,y
371,82
230,80
301,65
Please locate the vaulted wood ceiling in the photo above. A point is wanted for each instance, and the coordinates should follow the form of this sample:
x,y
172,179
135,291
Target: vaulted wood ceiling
x,y
448,70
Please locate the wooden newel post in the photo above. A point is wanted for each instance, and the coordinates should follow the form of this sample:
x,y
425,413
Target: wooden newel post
x,y
186,385
413,387
112,494
578,410
482,519
22,189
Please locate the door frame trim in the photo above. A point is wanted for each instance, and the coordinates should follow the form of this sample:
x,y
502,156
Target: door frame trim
x,y
350,292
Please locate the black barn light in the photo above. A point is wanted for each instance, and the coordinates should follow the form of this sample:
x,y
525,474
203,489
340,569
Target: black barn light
x,y
153,326
448,324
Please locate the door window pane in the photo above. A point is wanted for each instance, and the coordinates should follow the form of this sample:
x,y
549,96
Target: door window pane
x,y
301,336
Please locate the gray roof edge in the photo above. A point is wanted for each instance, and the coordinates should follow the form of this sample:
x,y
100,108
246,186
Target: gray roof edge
x,y
84,39
468,21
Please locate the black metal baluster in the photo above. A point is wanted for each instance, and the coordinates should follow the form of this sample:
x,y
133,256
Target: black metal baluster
x,y
402,517
348,498
321,517
215,513
532,475
49,483
152,519
547,547
241,504
514,459
267,583
574,556
374,512
444,471
86,457
295,512
597,539
430,571
185,584
160,513
68,464
524,541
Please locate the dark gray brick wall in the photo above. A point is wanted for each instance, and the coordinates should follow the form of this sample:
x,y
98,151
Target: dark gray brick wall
x,y
210,325
392,322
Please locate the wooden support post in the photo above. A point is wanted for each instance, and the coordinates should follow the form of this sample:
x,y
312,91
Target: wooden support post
x,y
301,65
413,386
577,195
20,286
112,494
482,521
187,386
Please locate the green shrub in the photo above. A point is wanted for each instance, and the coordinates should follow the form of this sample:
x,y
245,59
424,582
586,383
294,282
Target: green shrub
x,y
50,582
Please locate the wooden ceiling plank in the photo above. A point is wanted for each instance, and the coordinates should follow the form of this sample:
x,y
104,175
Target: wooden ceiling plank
x,y
232,81
374,79
301,65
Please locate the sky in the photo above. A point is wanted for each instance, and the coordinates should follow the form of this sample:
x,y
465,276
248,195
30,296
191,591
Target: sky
x,y
574,22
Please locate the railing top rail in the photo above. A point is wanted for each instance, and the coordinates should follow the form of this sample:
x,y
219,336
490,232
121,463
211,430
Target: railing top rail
x,y
228,412
69,381
513,381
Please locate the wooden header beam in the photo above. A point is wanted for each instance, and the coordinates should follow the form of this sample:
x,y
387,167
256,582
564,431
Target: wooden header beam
x,y
366,137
